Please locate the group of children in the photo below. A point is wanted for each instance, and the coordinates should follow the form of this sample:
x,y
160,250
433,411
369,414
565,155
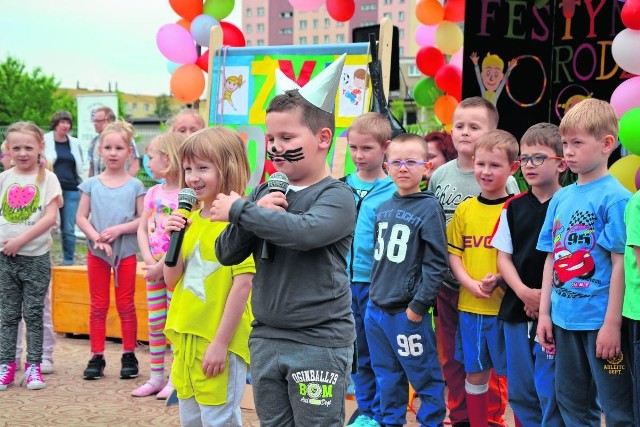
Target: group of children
x,y
536,287
526,287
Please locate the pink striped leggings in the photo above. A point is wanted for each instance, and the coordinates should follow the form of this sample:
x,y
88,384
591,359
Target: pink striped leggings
x,y
158,298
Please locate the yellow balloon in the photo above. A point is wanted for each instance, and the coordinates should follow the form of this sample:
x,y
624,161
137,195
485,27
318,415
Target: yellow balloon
x,y
449,37
624,170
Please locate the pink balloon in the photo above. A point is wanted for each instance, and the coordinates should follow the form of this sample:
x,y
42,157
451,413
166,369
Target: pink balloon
x,y
426,35
176,44
306,5
457,59
626,96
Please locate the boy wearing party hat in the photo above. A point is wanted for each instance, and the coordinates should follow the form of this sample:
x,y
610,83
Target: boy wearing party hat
x,y
302,339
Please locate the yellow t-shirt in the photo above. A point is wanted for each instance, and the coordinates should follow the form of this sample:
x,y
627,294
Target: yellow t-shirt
x,y
469,236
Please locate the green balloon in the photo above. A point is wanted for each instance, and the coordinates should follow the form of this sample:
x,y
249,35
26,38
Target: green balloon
x,y
425,92
219,9
630,131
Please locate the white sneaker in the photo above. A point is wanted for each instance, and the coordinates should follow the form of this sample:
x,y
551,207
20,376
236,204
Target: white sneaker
x,y
46,367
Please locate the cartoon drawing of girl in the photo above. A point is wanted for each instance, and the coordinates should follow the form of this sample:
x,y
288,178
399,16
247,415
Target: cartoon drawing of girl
x,y
492,79
231,84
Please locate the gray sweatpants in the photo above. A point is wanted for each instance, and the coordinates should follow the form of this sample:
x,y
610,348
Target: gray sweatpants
x,y
581,378
297,384
24,281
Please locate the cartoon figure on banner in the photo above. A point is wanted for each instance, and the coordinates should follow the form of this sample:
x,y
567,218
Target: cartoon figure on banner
x,y
353,87
572,95
492,78
231,84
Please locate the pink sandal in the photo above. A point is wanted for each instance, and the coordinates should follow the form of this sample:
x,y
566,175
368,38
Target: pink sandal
x,y
147,389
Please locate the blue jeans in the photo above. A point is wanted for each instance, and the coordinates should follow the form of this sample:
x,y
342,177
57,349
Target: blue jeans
x,y
68,224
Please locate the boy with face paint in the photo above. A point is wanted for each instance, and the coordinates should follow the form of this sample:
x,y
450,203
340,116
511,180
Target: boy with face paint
x,y
302,340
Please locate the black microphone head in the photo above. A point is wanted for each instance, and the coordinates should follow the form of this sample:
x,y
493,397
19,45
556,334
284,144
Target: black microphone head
x,y
187,198
278,182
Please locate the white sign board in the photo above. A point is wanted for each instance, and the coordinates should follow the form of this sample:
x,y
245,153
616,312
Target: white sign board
x,y
87,105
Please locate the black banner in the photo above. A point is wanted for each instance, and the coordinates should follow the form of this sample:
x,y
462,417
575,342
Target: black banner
x,y
535,59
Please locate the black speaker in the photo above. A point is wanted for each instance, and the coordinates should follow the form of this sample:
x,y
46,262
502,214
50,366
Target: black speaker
x,y
361,34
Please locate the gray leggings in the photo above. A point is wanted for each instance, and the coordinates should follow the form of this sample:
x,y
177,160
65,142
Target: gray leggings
x,y
24,281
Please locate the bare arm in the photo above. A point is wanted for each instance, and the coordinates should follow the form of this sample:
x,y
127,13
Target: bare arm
x,y
82,218
530,297
608,343
214,360
545,327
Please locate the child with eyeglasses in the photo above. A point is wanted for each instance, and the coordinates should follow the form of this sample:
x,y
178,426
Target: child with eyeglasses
x,y
410,262
530,369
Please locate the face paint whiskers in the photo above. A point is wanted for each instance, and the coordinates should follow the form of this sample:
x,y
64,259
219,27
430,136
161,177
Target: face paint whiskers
x,y
294,155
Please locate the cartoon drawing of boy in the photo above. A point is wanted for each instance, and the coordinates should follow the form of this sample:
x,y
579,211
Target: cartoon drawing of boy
x,y
492,79
356,89
572,101
231,84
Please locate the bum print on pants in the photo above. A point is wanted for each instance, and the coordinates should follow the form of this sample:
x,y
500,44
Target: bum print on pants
x,y
315,387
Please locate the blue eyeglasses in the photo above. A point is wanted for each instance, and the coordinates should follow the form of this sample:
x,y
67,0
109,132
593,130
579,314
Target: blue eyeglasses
x,y
409,164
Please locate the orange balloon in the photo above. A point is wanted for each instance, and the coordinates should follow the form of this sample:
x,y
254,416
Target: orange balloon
x,y
187,83
444,107
184,24
429,12
187,9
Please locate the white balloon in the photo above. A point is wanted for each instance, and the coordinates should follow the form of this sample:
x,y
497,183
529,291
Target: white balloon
x,y
625,50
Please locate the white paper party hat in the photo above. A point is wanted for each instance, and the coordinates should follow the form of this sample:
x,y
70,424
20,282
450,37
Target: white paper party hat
x,y
319,91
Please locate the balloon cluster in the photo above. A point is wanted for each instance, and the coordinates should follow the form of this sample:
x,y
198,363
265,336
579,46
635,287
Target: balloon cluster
x,y
340,10
179,43
440,56
626,97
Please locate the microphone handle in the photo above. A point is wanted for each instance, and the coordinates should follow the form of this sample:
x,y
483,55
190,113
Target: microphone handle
x,y
266,250
171,258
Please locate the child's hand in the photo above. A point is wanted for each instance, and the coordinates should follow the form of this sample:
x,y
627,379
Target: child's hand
x,y
276,201
222,205
214,360
531,299
474,58
489,283
477,290
545,334
175,222
153,272
608,344
103,246
109,234
11,246
412,316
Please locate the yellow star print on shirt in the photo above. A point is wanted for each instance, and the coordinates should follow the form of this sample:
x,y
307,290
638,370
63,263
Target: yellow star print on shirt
x,y
196,271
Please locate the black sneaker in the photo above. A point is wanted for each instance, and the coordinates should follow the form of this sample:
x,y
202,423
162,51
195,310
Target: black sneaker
x,y
129,366
95,368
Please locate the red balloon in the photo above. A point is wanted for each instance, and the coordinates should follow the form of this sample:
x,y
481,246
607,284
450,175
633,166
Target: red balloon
x,y
631,14
341,10
429,60
232,35
449,79
454,11
203,61
188,9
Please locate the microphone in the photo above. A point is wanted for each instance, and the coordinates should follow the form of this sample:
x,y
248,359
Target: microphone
x,y
186,199
277,182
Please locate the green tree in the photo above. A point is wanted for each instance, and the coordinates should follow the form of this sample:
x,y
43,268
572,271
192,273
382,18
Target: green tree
x,y
163,109
32,96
